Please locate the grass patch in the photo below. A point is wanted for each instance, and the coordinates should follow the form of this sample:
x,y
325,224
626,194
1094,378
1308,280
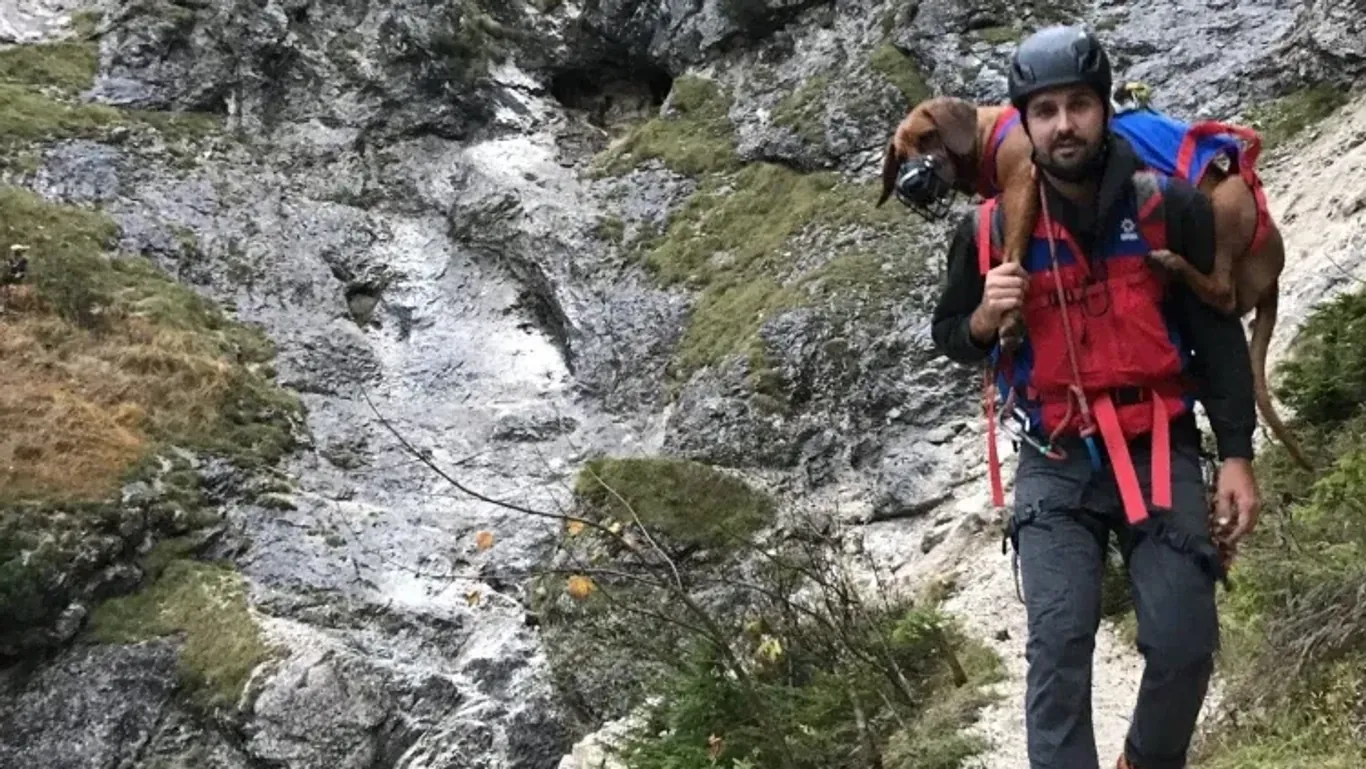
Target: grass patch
x,y
68,66
696,137
27,115
39,102
1295,658
108,359
206,605
1281,120
733,240
901,71
689,502
108,365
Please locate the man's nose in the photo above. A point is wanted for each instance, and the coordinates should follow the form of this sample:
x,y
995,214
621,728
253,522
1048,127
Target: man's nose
x,y
1066,121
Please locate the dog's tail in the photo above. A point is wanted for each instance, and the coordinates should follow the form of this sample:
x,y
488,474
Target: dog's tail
x,y
1262,326
890,167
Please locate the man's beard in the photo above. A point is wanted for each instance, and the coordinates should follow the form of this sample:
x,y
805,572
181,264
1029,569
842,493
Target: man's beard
x,y
1086,167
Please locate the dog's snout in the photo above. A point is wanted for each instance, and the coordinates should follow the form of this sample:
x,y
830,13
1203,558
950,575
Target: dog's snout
x,y
922,187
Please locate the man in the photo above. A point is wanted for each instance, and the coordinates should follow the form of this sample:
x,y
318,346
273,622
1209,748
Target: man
x,y
1136,347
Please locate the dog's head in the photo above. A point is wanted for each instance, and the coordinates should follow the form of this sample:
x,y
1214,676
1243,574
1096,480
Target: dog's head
x,y
938,135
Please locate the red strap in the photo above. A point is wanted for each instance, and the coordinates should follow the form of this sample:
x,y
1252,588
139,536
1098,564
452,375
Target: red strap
x,y
1125,476
986,172
984,216
998,495
1161,455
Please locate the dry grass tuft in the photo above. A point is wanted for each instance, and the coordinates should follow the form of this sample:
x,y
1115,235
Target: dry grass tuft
x,y
106,359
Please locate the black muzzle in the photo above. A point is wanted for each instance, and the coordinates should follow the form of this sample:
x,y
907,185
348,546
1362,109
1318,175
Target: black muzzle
x,y
921,187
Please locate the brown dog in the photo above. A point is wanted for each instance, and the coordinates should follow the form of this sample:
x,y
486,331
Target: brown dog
x,y
959,133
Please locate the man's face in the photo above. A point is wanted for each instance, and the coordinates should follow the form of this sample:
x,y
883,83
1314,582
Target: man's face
x,y
1066,125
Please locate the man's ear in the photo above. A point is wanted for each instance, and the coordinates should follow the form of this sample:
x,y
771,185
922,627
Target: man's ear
x,y
956,122
891,164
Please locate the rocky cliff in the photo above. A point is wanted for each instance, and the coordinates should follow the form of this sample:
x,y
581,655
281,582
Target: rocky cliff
x,y
516,236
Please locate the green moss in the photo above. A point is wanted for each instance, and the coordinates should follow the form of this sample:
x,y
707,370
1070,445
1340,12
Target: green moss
x,y
39,88
206,605
1048,12
689,502
1283,119
901,71
27,115
85,23
999,34
67,66
1298,617
696,138
802,109
732,241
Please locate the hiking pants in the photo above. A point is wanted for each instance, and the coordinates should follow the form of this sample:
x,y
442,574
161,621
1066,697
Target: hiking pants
x,y
1063,515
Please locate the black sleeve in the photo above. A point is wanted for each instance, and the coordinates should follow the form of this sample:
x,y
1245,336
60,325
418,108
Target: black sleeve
x,y
960,296
1217,341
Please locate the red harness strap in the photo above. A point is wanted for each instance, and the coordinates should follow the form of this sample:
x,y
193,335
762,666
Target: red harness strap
x,y
1247,161
986,171
1126,477
998,494
998,497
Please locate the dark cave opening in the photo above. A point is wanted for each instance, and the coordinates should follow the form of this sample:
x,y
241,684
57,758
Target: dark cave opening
x,y
610,92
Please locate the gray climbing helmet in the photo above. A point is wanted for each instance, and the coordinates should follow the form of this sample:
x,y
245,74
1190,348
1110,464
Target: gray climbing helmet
x,y
1055,56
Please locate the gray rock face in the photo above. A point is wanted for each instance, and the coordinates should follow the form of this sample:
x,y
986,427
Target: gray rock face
x,y
403,213
1328,44
94,706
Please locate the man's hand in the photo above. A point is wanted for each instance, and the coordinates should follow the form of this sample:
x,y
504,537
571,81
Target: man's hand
x,y
1003,291
1236,502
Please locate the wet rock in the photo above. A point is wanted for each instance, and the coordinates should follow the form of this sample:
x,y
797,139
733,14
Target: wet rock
x,y
914,479
117,695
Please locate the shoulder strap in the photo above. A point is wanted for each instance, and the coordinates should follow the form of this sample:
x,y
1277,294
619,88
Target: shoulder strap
x,y
989,235
1149,187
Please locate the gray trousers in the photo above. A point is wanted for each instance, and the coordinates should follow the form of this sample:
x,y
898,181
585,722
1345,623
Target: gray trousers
x,y
1063,515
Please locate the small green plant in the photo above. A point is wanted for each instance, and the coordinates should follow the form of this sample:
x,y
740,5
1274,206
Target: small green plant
x,y
774,657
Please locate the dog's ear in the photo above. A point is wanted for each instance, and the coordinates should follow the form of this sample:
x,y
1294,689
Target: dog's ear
x,y
956,121
890,165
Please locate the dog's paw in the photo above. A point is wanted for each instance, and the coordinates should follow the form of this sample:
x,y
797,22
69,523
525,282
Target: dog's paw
x,y
1012,332
1166,259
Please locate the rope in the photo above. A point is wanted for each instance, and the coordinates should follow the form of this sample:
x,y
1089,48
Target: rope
x,y
1088,427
